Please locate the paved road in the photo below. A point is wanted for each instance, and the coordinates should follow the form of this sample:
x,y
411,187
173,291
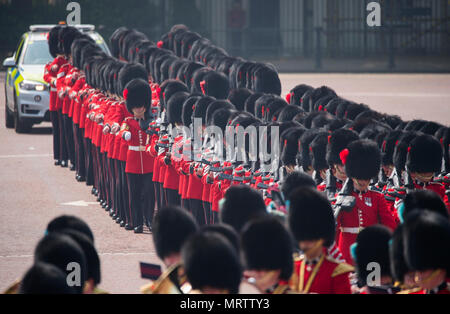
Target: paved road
x,y
33,191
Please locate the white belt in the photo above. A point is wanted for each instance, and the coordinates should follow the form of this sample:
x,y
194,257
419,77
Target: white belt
x,y
53,89
351,230
137,148
60,75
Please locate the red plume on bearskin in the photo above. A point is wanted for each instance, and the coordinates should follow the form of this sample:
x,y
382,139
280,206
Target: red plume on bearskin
x,y
343,155
288,98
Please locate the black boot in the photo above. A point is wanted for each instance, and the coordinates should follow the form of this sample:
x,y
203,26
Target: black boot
x,y
128,227
139,229
64,163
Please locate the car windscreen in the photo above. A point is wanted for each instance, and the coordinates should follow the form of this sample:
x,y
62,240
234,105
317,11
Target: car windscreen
x,y
37,53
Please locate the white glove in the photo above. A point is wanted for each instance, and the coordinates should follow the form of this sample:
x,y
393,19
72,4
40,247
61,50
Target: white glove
x,y
127,136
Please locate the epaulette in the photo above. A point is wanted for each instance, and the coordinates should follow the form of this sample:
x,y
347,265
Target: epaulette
x,y
298,258
376,191
341,268
410,291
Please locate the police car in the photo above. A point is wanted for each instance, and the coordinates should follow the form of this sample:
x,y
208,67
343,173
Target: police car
x,y
27,95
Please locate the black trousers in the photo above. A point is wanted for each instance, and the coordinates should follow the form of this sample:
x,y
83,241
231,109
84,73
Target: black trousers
x,y
56,133
157,194
62,138
162,194
68,135
197,211
88,163
79,150
142,203
186,204
172,197
124,197
214,217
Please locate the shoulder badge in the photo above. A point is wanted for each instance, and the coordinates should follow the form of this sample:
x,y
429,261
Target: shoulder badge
x,y
342,268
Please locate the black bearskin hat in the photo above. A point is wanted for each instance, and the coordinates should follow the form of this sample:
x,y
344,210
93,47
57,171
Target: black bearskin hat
x,y
362,160
217,105
399,268
267,245
175,107
201,106
210,260
60,250
225,230
401,150
296,180
424,155
388,147
372,246
166,241
267,81
53,41
238,97
311,216
241,204
188,109
137,94
215,85
221,117
423,199
426,238
130,72
68,35
90,252
319,151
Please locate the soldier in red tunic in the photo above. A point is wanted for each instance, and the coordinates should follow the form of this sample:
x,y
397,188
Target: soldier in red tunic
x,y
424,160
50,75
137,94
357,207
172,178
312,224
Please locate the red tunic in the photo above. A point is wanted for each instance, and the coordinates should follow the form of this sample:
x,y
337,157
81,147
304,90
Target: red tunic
x,y
78,87
370,209
171,176
195,186
138,161
51,71
331,277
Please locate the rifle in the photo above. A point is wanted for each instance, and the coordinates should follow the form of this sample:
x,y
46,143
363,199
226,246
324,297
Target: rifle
x,y
345,201
330,183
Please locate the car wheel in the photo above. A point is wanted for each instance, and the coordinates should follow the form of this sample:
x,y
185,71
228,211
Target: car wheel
x,y
9,117
20,125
